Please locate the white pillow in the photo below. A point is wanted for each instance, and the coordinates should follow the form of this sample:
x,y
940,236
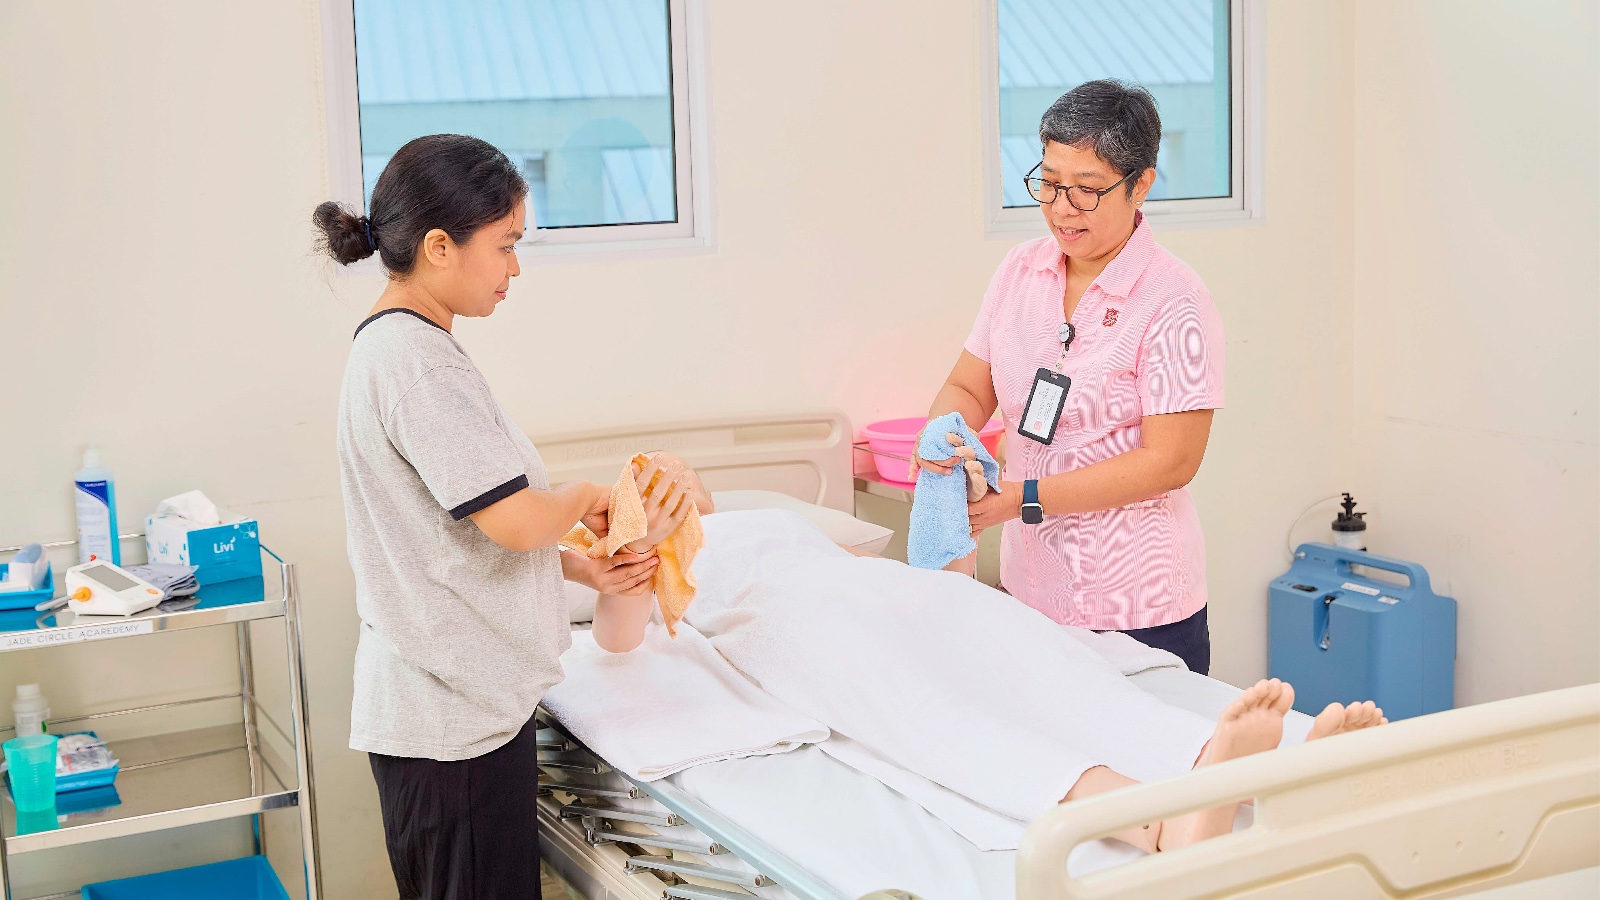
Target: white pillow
x,y
840,527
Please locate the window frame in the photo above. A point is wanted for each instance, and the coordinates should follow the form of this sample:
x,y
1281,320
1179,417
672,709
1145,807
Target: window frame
x,y
691,136
1243,203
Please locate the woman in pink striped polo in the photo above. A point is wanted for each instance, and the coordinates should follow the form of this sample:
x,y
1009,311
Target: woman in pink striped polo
x,y
1103,532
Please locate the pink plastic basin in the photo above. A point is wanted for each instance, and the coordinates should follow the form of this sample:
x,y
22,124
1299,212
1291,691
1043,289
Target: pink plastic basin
x,y
898,437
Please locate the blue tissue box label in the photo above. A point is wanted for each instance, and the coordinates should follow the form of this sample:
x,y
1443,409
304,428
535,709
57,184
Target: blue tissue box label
x,y
218,552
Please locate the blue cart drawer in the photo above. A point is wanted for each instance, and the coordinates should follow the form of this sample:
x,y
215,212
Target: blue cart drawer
x,y
250,878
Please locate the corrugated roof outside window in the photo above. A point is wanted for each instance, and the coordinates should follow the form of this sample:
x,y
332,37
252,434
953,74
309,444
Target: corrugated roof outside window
x,y
1050,43
425,51
577,91
1172,47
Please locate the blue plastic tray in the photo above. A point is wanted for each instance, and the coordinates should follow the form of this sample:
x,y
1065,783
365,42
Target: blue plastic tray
x,y
250,878
84,780
91,799
27,599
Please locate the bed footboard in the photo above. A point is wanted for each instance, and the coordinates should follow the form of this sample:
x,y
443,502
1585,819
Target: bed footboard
x,y
1435,806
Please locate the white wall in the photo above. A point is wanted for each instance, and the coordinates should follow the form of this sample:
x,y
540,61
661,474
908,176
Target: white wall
x,y
1476,240
156,179
159,192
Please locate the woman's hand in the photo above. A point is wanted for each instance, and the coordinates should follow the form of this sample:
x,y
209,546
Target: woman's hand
x,y
663,486
996,509
622,575
938,467
596,518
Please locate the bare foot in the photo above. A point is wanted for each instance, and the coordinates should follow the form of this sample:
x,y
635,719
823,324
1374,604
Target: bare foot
x,y
1338,719
1252,723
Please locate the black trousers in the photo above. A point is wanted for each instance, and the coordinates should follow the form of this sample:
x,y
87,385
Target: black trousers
x,y
464,830
1189,639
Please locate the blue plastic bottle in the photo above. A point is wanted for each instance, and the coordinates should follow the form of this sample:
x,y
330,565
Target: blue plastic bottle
x,y
96,495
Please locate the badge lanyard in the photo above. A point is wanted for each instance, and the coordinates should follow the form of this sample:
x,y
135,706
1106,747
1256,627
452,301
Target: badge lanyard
x,y
1048,396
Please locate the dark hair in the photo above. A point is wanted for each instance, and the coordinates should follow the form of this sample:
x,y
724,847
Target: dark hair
x,y
447,181
1117,121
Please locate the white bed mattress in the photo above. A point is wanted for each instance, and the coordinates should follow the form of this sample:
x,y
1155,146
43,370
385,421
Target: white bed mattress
x,y
852,831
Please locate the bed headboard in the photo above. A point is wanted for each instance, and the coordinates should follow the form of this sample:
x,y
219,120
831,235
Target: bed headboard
x,y
805,455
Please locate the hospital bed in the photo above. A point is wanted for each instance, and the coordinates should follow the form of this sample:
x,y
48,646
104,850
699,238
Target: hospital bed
x,y
1461,802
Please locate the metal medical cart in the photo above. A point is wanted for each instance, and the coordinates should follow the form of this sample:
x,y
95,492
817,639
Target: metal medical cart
x,y
189,777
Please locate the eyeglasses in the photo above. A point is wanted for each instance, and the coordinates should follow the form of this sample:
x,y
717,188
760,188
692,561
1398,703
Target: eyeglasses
x,y
1082,198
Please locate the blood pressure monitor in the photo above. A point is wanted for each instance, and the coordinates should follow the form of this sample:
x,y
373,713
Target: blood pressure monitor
x,y
102,589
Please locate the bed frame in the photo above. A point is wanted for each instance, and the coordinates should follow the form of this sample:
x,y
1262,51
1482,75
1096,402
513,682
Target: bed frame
x,y
804,455
611,837
1437,806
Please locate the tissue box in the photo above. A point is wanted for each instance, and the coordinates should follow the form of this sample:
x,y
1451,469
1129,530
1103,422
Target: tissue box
x,y
223,552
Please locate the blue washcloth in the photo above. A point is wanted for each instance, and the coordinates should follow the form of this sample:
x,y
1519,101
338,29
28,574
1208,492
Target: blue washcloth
x,y
939,534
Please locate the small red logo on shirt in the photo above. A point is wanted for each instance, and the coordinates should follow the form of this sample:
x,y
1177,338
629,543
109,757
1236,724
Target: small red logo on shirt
x,y
1110,319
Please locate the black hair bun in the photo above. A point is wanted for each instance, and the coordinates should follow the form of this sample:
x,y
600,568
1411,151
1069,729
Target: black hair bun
x,y
450,182
342,234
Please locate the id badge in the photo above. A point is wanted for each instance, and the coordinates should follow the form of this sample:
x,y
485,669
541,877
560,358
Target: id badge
x,y
1045,402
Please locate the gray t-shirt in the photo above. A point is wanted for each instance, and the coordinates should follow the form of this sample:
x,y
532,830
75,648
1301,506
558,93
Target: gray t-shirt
x,y
460,637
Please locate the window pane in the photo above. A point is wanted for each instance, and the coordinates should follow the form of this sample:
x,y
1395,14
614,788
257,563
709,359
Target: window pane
x,y
576,92
1178,49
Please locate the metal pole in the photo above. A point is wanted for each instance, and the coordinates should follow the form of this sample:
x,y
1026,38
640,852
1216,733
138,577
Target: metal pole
x,y
247,703
5,870
301,722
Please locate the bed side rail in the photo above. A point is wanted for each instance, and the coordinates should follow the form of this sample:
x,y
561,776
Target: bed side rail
x,y
774,867
1433,806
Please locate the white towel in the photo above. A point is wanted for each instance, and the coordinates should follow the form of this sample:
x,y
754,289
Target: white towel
x,y
953,681
670,704
983,827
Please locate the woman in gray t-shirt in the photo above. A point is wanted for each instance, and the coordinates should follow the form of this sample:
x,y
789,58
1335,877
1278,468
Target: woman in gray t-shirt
x,y
452,531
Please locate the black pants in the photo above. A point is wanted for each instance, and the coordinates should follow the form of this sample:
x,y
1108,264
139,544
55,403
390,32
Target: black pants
x,y
1189,639
464,830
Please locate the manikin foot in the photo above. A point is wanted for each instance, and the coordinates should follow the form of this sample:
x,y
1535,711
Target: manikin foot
x,y
1338,719
1252,723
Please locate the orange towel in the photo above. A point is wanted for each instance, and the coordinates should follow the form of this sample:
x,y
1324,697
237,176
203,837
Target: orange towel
x,y
674,583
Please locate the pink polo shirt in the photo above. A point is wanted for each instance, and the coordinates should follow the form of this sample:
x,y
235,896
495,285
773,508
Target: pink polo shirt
x,y
1149,341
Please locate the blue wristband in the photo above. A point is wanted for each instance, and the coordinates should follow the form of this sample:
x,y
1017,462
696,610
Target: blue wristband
x,y
1032,510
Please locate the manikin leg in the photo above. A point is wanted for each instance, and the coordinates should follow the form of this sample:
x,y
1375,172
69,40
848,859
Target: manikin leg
x,y
1252,723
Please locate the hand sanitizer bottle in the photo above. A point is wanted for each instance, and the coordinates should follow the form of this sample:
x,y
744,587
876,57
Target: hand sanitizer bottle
x,y
96,496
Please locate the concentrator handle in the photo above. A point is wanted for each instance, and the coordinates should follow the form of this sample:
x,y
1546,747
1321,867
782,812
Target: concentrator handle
x,y
1344,557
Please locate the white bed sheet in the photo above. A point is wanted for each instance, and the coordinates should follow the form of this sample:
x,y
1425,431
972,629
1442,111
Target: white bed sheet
x,y
850,830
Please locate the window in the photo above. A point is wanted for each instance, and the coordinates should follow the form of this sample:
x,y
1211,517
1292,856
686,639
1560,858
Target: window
x,y
1186,52
589,97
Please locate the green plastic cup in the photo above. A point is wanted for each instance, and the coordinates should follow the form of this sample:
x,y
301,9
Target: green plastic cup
x,y
37,820
32,764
